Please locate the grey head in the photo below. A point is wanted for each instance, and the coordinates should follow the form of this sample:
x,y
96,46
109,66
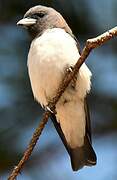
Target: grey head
x,y
39,18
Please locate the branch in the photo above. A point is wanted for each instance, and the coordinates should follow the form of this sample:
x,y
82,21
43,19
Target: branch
x,y
90,44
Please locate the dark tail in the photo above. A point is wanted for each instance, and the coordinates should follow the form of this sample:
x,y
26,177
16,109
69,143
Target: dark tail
x,y
83,156
80,156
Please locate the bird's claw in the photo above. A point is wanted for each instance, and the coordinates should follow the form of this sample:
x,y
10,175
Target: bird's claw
x,y
70,69
47,108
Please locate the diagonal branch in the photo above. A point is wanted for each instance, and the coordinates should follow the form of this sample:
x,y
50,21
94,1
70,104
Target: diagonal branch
x,y
90,44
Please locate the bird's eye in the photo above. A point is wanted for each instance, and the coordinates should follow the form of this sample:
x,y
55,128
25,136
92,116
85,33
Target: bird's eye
x,y
39,15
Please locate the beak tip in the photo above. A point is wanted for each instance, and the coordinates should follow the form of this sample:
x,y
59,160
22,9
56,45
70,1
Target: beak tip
x,y
19,23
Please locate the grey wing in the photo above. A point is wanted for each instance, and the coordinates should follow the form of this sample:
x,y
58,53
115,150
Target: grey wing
x,y
88,149
88,121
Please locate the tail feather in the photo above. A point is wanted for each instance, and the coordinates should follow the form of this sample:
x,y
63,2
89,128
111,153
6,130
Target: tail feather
x,y
77,158
82,156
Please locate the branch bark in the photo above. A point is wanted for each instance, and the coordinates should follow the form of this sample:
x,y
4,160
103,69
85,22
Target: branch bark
x,y
90,44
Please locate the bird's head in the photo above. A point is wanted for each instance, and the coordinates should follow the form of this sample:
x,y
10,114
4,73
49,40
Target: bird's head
x,y
40,18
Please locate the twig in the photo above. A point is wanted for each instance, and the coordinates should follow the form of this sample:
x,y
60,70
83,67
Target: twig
x,y
90,44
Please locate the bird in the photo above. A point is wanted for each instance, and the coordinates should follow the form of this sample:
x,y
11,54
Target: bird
x,y
53,50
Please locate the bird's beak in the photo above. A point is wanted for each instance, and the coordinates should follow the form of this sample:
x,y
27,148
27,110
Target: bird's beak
x,y
26,22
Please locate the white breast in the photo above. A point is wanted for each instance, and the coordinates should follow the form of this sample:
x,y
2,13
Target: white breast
x,y
49,55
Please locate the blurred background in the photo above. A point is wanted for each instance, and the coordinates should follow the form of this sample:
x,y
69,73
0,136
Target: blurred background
x,y
20,114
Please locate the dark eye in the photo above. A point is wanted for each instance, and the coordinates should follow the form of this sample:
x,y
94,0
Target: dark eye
x,y
38,15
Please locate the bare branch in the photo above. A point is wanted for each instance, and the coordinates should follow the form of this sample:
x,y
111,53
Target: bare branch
x,y
99,40
90,44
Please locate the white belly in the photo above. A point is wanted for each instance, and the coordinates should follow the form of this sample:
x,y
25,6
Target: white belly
x,y
48,57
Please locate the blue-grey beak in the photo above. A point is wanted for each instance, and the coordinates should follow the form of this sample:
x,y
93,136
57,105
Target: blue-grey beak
x,y
26,22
